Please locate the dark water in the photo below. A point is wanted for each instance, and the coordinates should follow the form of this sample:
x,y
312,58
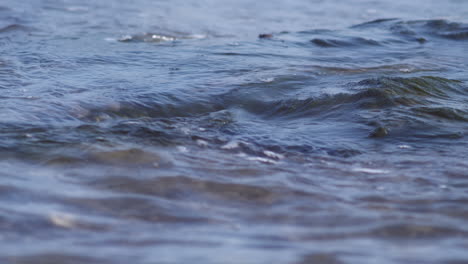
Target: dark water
x,y
169,132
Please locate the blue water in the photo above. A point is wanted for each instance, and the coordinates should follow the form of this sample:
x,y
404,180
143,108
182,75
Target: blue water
x,y
233,131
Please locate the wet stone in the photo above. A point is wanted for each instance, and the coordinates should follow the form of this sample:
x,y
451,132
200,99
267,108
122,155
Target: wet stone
x,y
265,36
379,132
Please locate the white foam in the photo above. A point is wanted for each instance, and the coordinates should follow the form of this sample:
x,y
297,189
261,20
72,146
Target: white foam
x,y
272,154
267,80
370,170
162,38
182,149
202,143
262,160
62,220
404,146
231,145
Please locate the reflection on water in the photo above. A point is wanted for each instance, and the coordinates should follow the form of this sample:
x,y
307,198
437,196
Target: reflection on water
x,y
219,132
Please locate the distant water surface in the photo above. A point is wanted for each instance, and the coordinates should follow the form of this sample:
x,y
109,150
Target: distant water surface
x,y
233,131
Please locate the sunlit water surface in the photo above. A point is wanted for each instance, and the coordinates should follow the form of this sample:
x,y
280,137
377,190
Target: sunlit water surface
x,y
233,131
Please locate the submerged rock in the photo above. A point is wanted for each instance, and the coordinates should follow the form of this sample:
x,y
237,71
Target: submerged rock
x,y
379,132
265,36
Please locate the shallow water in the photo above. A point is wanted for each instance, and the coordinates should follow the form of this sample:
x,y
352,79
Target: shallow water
x,y
170,132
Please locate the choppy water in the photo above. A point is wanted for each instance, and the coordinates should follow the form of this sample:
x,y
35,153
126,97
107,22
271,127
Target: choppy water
x,y
170,132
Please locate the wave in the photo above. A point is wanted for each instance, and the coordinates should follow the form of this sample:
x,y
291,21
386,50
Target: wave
x,y
14,28
380,33
388,106
379,93
422,28
350,42
375,93
159,37
415,106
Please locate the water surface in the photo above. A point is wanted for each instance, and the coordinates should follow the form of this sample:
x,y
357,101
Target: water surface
x,y
233,132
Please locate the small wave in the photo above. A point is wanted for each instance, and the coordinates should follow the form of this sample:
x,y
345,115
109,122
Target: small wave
x,y
164,106
386,104
148,37
446,29
419,29
14,28
351,42
380,33
422,87
372,94
375,22
159,37
387,69
390,106
445,113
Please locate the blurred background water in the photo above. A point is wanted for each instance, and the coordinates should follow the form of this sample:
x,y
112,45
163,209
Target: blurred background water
x,y
233,131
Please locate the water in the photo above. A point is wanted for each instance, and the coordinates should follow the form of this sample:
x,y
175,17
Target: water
x,y
170,132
